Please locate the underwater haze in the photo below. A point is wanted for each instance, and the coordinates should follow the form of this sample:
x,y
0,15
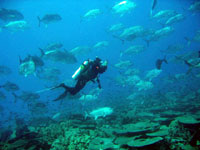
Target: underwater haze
x,y
147,97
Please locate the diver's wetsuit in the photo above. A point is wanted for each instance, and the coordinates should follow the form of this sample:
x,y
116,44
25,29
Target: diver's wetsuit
x,y
90,73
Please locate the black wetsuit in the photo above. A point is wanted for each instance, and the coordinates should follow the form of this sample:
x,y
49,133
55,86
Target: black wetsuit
x,y
90,73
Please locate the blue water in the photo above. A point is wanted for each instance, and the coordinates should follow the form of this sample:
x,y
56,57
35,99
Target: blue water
x,y
71,33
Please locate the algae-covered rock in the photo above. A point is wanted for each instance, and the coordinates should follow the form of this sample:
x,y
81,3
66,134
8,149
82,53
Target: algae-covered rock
x,y
123,140
188,120
144,142
137,128
163,131
158,133
102,143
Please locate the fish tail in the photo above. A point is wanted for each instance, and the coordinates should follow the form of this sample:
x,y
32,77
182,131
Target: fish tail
x,y
118,38
42,52
39,21
147,42
151,13
86,115
187,63
20,60
165,60
15,96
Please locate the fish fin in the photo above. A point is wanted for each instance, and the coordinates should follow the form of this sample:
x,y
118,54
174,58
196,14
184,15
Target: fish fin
x,y
20,60
151,13
189,70
154,3
188,41
39,20
86,115
121,54
42,52
15,96
147,42
118,38
187,63
165,60
81,19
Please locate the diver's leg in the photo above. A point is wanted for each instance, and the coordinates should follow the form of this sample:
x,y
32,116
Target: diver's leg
x,y
72,90
79,85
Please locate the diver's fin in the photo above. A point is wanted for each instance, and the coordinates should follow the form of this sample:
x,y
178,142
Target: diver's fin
x,y
62,96
42,52
39,21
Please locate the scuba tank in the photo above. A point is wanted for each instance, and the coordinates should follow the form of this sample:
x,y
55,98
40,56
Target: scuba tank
x,y
76,75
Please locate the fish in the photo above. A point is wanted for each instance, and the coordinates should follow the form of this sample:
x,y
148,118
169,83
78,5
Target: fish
x,y
91,14
161,33
9,86
195,7
159,62
144,85
27,67
196,38
101,45
88,97
191,62
132,33
100,112
175,19
173,48
26,96
4,70
154,3
132,50
2,96
53,46
152,74
59,56
38,61
115,28
123,7
80,50
49,18
123,64
49,74
15,26
9,15
164,15
56,116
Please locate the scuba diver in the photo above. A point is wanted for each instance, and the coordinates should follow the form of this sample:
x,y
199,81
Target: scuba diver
x,y
88,71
